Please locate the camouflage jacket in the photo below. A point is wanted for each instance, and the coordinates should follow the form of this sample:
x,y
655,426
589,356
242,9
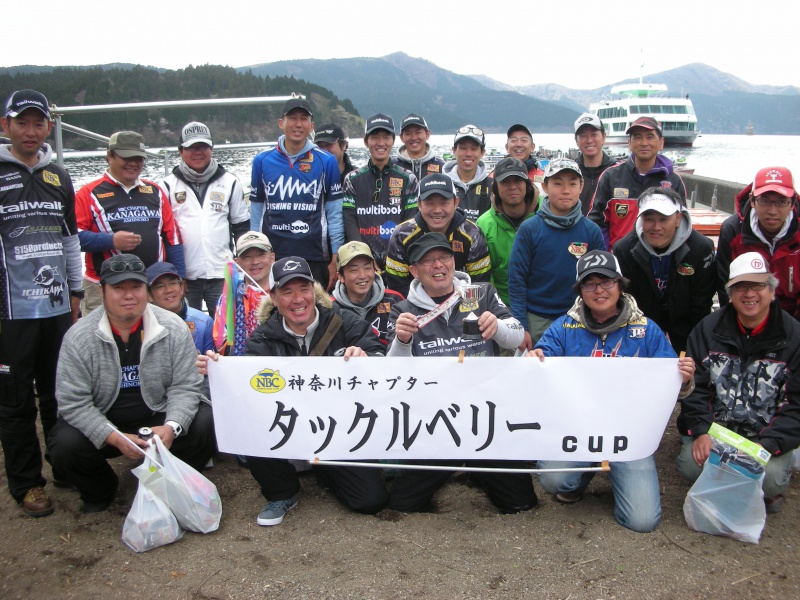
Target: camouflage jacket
x,y
747,383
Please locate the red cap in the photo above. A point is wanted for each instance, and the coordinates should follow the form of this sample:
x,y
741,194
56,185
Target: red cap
x,y
774,179
645,123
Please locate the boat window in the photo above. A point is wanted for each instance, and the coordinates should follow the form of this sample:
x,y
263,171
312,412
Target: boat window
x,y
669,109
619,127
634,110
681,110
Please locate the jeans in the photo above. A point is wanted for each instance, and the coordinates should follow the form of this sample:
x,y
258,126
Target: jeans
x,y
209,290
776,477
637,499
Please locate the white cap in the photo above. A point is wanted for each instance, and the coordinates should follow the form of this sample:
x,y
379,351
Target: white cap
x,y
659,203
750,266
588,119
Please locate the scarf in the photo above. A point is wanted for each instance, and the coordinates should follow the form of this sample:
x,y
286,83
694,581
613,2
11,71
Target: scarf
x,y
556,221
196,178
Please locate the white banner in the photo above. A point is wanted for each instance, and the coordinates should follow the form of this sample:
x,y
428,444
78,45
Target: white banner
x,y
574,409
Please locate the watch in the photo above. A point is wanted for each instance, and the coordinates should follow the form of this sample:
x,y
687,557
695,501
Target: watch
x,y
176,427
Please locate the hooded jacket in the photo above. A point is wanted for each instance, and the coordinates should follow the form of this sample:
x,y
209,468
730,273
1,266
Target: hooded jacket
x,y
675,288
443,335
615,203
591,176
420,167
375,310
739,234
466,240
271,337
474,195
749,384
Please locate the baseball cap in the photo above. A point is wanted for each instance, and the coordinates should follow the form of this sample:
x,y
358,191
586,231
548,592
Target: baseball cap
x,y
127,144
470,132
645,123
589,119
379,121
597,262
23,100
293,103
510,166
426,243
252,239
351,250
414,119
160,269
660,203
750,266
329,133
286,269
562,164
436,183
518,127
774,179
122,267
195,133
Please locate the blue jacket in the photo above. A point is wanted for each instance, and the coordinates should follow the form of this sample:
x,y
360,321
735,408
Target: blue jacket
x,y
201,326
297,202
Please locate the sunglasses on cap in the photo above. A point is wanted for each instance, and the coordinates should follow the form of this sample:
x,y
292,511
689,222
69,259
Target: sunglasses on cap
x,y
470,129
120,266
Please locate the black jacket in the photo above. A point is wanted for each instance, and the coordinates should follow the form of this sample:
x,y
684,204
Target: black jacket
x,y
591,175
690,286
749,384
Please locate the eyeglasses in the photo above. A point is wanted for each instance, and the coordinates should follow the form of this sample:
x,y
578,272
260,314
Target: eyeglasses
x,y
606,284
782,203
429,262
163,285
120,266
378,188
470,129
744,286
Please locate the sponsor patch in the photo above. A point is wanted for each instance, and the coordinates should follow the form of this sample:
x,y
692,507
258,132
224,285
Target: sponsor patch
x,y
395,182
620,192
395,192
50,178
191,325
217,196
577,249
146,189
666,184
308,159
180,197
637,332
458,246
538,178
217,206
5,369
685,269
383,307
106,195
434,169
621,210
305,167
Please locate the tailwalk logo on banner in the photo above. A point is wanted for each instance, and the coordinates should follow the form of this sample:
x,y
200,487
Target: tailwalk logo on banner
x,y
438,408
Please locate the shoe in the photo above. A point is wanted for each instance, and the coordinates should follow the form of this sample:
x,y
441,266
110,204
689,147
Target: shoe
x,y
569,497
36,503
774,504
94,507
273,512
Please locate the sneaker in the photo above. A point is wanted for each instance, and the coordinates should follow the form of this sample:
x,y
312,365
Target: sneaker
x,y
569,497
774,504
36,503
273,512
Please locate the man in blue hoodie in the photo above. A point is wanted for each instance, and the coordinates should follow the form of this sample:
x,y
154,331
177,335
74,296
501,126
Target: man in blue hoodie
x,y
614,206
296,195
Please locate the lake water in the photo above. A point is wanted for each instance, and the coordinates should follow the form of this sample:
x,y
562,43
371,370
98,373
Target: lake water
x,y
729,157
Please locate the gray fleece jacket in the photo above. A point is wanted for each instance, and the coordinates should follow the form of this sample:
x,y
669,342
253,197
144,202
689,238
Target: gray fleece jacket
x,y
89,374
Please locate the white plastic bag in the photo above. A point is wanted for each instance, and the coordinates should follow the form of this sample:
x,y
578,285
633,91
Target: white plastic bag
x,y
192,498
796,459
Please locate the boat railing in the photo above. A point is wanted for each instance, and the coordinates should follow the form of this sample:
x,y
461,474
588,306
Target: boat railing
x,y
60,126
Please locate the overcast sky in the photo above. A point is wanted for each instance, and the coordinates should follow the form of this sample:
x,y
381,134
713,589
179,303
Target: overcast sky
x,y
578,44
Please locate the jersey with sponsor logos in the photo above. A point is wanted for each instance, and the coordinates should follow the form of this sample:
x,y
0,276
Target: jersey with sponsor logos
x,y
103,206
295,195
37,211
375,203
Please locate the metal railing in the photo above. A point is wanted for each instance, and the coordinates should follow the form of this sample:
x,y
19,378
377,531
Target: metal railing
x,y
59,112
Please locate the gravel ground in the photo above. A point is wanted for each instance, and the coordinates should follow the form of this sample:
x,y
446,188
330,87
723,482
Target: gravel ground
x,y
461,549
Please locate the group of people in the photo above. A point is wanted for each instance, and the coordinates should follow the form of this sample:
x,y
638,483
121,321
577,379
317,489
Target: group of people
x,y
582,258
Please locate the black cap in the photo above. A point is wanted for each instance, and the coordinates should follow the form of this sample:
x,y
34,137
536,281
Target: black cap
x,y
23,100
122,267
378,121
329,133
426,243
414,119
160,269
286,269
645,123
436,183
518,127
510,166
293,103
597,262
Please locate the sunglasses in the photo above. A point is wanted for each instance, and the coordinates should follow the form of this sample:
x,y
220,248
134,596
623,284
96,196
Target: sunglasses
x,y
378,188
120,266
470,129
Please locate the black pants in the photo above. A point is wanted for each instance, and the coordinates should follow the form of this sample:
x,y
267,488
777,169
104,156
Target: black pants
x,y
28,352
510,492
78,461
361,489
